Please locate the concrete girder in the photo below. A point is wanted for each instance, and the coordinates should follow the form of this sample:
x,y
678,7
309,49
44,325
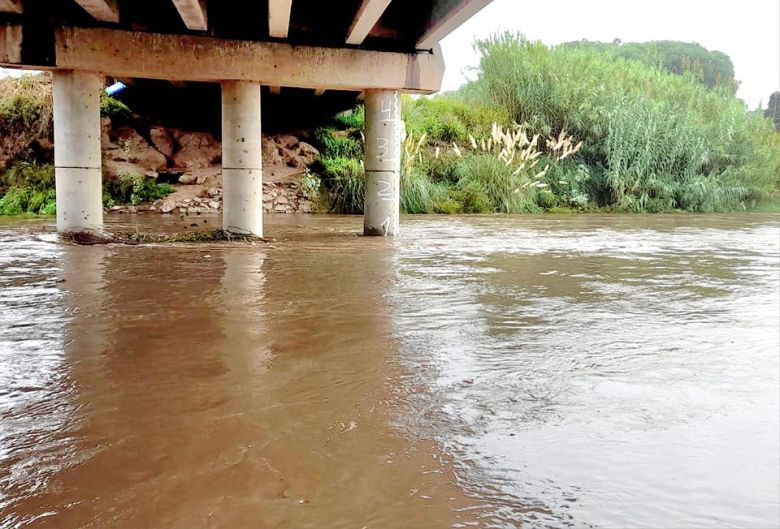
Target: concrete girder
x,y
101,10
446,16
201,58
367,16
193,14
279,18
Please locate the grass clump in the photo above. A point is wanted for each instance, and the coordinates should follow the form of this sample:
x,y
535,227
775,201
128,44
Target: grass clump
x,y
133,189
28,189
114,109
346,180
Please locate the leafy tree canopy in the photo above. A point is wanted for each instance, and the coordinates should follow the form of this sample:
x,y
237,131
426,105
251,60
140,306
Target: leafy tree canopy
x,y
712,68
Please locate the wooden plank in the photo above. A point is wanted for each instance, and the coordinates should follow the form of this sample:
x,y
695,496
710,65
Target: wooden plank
x,y
193,13
279,18
11,6
101,10
367,16
201,58
446,16
10,44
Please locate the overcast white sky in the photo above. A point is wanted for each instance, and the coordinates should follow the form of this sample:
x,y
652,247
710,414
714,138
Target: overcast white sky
x,y
747,30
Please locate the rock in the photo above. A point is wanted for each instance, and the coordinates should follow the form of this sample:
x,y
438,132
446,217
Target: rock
x,y
201,179
105,131
113,168
196,150
308,153
162,141
287,141
167,206
134,148
213,192
214,205
187,179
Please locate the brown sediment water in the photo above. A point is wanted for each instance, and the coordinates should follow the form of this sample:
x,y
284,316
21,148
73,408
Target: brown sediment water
x,y
475,372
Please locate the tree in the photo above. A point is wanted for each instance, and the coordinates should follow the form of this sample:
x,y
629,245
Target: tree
x,y
773,110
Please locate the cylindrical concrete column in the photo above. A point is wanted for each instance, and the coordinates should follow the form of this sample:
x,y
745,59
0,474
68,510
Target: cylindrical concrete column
x,y
383,162
77,169
242,158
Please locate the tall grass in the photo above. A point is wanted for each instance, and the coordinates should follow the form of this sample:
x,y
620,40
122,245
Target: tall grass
x,y
654,140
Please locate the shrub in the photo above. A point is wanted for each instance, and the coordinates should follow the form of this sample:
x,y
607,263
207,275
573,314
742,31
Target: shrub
x,y
134,189
334,144
20,201
114,108
354,119
652,140
345,178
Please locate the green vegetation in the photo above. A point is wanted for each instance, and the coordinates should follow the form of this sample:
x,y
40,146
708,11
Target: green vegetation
x,y
713,69
27,188
133,189
26,185
772,112
114,109
597,131
25,116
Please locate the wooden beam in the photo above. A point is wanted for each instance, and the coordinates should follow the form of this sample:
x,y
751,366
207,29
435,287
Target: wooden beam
x,y
279,18
201,58
193,13
11,6
446,16
10,44
275,90
101,10
367,16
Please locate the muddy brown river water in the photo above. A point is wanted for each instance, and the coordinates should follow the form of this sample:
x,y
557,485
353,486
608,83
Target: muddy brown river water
x,y
497,372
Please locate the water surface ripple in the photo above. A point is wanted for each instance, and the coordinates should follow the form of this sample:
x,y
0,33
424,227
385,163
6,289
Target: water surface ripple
x,y
496,372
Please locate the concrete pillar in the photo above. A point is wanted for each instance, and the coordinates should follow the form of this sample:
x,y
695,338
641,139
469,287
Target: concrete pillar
x,y
242,158
383,162
77,169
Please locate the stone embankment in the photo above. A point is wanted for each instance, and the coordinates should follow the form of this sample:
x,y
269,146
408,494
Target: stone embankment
x,y
190,162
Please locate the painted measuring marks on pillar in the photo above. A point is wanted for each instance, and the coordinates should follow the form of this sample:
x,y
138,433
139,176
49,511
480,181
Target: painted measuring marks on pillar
x,y
388,137
388,192
388,152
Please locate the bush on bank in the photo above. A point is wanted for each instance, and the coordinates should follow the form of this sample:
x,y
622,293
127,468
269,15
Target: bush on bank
x,y
26,180
652,141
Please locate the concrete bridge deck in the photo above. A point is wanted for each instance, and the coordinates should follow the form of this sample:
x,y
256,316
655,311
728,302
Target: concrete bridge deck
x,y
377,47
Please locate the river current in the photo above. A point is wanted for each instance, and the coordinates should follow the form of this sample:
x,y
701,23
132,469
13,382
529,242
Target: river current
x,y
531,371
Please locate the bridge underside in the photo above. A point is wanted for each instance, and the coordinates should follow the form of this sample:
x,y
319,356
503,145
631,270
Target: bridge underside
x,y
376,47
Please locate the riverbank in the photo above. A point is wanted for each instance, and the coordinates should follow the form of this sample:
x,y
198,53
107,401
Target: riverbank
x,y
565,129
